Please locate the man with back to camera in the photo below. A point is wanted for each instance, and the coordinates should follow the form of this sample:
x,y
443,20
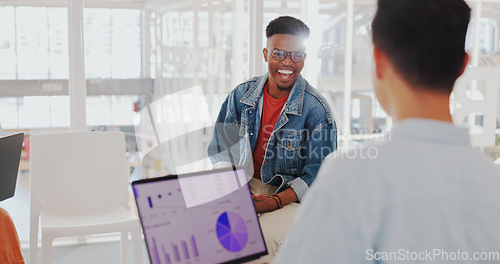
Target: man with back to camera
x,y
425,196
279,125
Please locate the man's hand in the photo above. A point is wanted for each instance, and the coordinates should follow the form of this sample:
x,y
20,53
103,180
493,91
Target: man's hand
x,y
264,204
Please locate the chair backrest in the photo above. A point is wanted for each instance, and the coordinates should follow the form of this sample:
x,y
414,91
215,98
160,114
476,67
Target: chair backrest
x,y
78,170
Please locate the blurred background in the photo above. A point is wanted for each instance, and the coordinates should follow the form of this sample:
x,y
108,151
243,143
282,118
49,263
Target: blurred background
x,y
158,70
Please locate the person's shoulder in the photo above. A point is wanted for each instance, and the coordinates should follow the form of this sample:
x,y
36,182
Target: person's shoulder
x,y
243,87
482,164
315,95
363,160
355,170
250,82
364,153
316,102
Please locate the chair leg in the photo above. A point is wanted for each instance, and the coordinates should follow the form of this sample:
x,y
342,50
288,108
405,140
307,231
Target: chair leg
x,y
33,246
33,238
137,244
124,246
46,249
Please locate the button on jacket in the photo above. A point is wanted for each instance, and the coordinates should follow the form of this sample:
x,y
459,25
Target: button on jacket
x,y
303,136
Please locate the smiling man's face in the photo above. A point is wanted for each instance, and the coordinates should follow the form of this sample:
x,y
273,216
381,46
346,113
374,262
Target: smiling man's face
x,y
283,74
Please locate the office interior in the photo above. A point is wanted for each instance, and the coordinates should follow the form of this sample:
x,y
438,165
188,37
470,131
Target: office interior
x,y
158,70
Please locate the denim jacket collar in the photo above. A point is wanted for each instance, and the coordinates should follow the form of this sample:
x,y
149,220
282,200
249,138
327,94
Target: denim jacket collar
x,y
293,105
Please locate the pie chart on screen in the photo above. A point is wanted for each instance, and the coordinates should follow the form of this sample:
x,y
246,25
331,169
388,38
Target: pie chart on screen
x,y
232,231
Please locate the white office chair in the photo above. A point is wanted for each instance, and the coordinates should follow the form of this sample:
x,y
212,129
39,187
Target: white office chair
x,y
79,186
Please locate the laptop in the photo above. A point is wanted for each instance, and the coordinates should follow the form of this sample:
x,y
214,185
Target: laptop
x,y
202,217
10,156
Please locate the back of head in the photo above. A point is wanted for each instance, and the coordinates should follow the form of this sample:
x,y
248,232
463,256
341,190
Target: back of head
x,y
287,25
424,39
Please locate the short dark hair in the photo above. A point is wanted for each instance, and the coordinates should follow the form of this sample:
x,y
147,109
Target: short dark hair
x,y
423,39
287,25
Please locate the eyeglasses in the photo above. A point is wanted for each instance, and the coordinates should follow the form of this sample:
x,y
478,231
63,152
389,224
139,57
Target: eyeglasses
x,y
280,55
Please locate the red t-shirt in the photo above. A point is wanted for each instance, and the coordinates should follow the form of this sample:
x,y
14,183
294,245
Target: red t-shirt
x,y
271,111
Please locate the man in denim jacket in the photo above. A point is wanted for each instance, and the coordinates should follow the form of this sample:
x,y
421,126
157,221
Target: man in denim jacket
x,y
278,127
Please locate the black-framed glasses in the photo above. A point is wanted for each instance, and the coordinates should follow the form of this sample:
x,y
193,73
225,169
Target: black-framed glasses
x,y
280,55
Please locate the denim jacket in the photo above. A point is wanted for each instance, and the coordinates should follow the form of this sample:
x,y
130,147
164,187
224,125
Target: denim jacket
x,y
304,135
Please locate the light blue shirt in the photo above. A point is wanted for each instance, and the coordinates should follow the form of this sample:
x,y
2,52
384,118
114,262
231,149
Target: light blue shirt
x,y
425,196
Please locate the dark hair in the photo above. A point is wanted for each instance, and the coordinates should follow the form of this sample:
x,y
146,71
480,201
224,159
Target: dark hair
x,y
424,39
287,25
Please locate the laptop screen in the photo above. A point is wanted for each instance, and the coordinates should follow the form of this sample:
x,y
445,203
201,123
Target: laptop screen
x,y
10,156
205,217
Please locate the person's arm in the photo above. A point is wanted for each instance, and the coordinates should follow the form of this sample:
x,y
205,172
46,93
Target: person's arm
x,y
321,142
223,147
265,204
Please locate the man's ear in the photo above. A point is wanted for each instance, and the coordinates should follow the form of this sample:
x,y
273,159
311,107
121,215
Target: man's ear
x,y
464,66
264,52
380,60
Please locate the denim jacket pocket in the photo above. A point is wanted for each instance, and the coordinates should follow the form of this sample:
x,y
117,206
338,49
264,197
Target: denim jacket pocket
x,y
289,145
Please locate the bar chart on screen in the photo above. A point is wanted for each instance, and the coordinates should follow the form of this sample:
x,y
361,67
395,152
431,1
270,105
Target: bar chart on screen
x,y
183,251
220,230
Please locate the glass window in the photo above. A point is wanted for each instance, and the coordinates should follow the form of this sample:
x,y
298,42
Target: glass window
x,y
32,42
34,112
9,116
7,43
122,109
97,43
33,47
112,43
59,111
58,59
98,110
125,39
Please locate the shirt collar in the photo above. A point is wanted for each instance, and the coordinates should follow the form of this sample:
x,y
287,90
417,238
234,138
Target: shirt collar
x,y
295,100
430,130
